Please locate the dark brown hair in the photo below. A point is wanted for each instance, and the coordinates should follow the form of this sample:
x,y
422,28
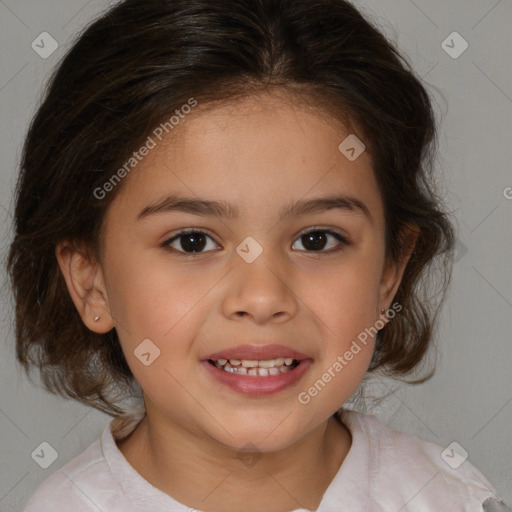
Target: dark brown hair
x,y
129,71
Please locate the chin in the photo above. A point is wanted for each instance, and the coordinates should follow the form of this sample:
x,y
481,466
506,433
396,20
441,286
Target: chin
x,y
261,436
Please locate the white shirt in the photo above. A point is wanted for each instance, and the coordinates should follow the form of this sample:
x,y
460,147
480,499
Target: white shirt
x,y
384,471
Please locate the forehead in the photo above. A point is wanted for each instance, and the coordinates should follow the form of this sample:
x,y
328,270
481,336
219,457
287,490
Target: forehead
x,y
260,151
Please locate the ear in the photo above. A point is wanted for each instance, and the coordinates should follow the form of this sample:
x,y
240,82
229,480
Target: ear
x,y
393,271
85,282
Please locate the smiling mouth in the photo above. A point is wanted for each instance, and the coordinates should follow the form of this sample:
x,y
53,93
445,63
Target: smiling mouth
x,y
256,368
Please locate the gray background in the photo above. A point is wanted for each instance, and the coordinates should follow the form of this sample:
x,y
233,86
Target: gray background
x,y
469,399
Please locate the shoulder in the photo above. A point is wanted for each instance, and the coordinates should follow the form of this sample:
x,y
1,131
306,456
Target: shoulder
x,y
84,484
410,473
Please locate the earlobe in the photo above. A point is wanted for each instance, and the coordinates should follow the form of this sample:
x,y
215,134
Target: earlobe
x,y
85,283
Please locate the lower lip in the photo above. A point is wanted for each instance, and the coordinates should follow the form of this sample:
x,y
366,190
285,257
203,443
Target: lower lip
x,y
256,385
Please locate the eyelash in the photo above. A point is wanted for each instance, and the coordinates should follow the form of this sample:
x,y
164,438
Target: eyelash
x,y
342,239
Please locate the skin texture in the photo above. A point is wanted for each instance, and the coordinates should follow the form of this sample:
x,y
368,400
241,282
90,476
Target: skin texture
x,y
258,154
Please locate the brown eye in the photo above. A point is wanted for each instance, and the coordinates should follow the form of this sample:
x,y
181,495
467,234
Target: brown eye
x,y
318,240
190,242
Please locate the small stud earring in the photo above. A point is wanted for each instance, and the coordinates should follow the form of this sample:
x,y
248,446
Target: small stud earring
x,y
382,311
96,318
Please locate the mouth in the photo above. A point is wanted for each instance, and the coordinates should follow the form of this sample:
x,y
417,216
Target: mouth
x,y
256,368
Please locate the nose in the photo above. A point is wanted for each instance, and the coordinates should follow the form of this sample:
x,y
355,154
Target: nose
x,y
260,292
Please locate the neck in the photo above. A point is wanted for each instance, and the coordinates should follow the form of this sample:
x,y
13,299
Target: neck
x,y
203,474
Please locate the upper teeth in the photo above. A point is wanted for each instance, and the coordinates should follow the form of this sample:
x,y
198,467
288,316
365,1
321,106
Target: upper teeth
x,y
252,363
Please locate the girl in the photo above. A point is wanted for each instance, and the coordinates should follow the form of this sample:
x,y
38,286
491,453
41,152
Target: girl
x,y
228,206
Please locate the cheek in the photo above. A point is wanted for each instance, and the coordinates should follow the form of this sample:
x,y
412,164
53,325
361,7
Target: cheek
x,y
149,296
348,295
162,303
156,314
346,308
346,302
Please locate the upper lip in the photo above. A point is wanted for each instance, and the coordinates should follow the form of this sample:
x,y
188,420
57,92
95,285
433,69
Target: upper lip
x,y
257,352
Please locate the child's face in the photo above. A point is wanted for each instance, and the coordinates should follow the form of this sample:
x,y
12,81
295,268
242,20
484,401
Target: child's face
x,y
259,157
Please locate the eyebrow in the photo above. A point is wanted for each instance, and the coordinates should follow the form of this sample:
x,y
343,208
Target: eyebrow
x,y
223,209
